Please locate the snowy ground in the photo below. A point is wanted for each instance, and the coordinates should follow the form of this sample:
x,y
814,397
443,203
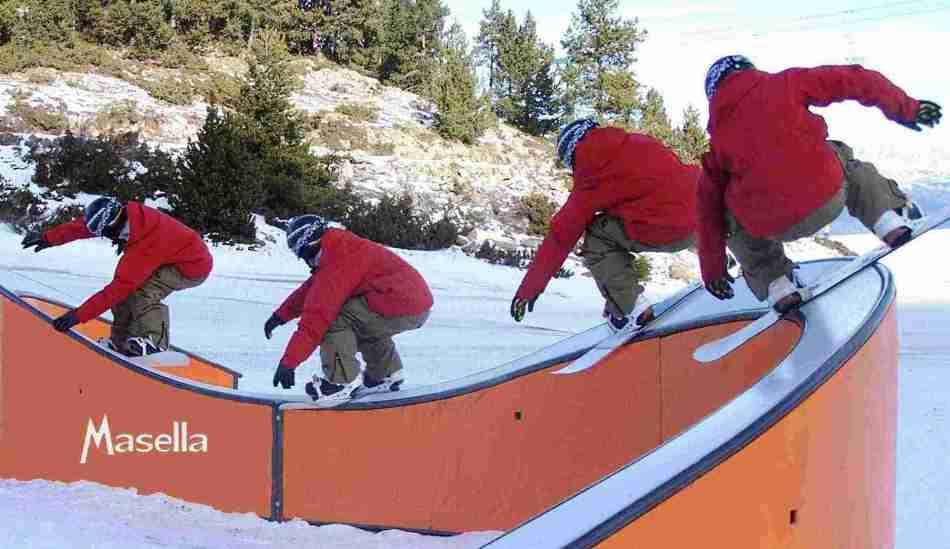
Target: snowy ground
x,y
469,331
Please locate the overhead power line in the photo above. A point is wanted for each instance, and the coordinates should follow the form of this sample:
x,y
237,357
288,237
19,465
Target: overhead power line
x,y
797,26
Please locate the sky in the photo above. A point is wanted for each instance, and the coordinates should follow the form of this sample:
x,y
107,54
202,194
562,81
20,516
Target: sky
x,y
904,40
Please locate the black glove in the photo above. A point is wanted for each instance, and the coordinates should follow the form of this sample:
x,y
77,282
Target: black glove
x,y
518,305
35,238
721,288
928,114
65,322
284,376
272,322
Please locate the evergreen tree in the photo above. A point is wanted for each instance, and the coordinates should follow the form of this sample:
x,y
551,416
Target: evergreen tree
x,y
486,50
691,140
411,42
653,118
600,51
220,183
526,93
460,113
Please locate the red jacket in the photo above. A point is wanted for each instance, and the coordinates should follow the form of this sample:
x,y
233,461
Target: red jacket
x,y
350,266
769,163
155,240
630,176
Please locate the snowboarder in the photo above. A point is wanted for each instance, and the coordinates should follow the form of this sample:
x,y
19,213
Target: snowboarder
x,y
359,295
631,194
771,176
160,255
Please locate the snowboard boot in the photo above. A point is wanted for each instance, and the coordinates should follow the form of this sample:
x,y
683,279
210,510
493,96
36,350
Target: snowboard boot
x,y
388,384
106,342
896,227
783,292
619,323
141,346
328,395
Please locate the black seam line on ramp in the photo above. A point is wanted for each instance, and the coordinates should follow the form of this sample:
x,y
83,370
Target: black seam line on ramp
x,y
377,528
125,363
238,375
720,454
277,465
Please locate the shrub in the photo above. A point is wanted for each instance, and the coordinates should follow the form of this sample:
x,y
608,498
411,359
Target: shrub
x,y
119,165
37,117
539,209
358,111
25,212
642,265
220,182
836,246
396,222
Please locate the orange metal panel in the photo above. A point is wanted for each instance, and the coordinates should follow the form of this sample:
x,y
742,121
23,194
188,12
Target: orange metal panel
x,y
691,390
822,477
468,463
197,369
54,387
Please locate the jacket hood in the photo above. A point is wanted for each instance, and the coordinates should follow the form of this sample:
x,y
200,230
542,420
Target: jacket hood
x,y
597,156
731,92
140,225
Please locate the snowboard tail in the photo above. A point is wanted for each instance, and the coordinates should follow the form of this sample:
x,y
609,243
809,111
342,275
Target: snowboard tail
x,y
720,348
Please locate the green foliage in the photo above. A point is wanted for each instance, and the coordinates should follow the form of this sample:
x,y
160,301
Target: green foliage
x,y
141,26
410,42
18,206
641,264
600,50
539,209
460,114
522,80
39,117
690,139
519,259
396,222
120,165
359,111
220,182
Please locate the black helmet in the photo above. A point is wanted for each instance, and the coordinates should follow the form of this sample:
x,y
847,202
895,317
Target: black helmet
x,y
102,214
304,230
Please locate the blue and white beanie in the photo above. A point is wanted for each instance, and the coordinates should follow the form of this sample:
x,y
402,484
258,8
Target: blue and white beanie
x,y
570,136
722,68
100,213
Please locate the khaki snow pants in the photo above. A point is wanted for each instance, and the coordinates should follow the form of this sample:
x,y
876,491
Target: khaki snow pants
x,y
608,253
143,314
865,192
358,329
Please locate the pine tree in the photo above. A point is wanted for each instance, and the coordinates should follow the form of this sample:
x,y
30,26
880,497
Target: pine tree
x,y
219,185
691,140
600,51
486,50
460,114
411,41
525,91
653,118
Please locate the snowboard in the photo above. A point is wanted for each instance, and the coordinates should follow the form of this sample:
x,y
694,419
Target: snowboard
x,y
720,348
163,359
615,340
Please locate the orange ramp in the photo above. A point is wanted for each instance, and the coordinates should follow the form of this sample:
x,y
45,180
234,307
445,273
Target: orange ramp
x,y
805,458
484,452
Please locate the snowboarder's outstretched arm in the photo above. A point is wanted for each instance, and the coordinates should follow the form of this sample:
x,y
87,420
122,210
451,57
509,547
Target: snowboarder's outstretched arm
x,y
67,232
292,307
822,86
711,227
567,226
61,234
